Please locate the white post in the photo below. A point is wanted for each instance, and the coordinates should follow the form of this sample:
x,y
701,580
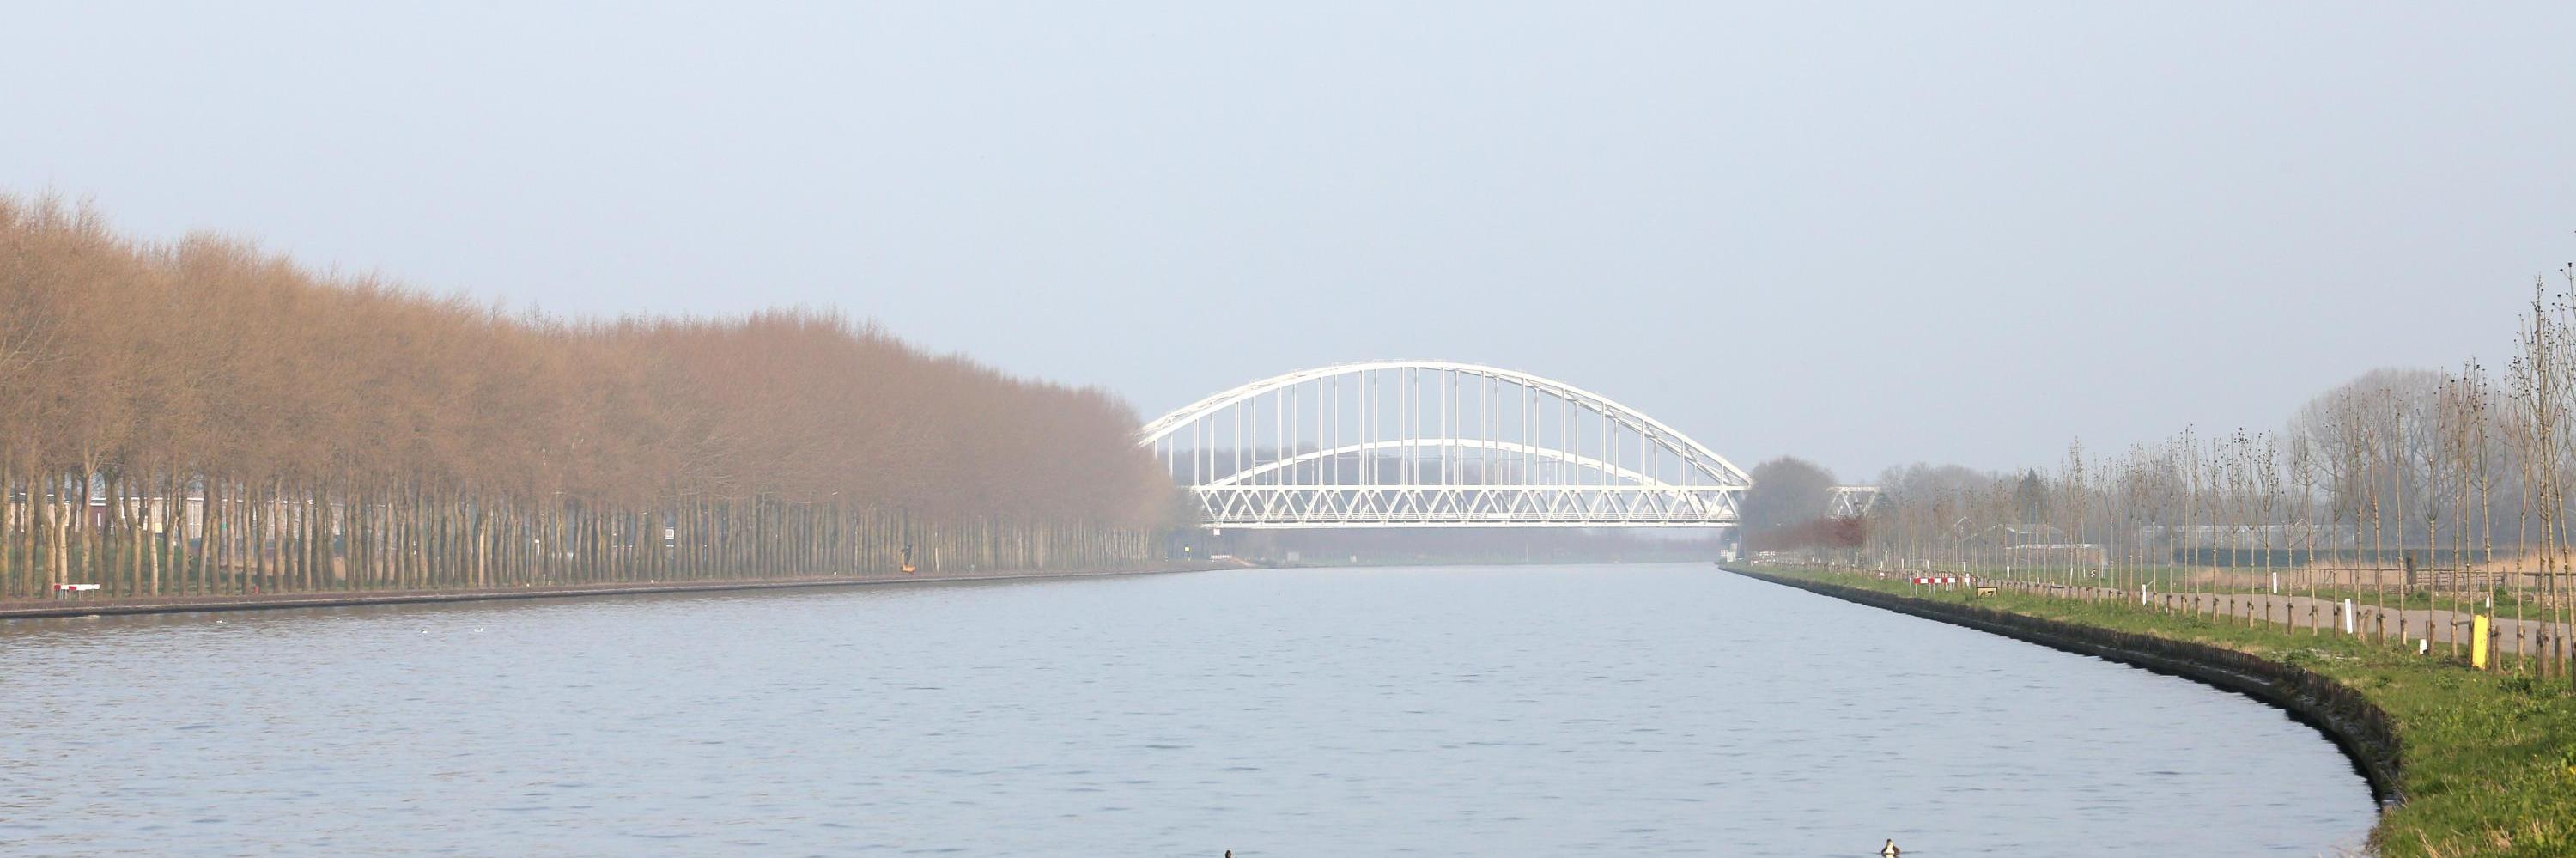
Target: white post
x,y
2276,583
2347,616
2142,592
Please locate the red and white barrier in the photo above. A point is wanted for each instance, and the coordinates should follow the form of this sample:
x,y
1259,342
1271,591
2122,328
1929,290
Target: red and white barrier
x,y
74,588
1941,579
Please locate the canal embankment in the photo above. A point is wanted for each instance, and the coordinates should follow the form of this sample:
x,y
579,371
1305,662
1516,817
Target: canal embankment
x,y
2464,761
73,607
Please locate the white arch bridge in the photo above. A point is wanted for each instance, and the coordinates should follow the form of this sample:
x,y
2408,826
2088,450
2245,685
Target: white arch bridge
x,y
1437,444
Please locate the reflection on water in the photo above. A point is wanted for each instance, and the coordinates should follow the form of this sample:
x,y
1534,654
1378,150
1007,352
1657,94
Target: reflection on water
x,y
1539,711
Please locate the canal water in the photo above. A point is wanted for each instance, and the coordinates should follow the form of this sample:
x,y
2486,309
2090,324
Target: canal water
x,y
1484,711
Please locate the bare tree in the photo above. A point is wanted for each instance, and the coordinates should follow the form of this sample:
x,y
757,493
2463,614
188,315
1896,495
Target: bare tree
x,y
202,418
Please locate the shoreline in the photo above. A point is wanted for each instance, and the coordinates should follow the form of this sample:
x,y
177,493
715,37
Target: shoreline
x,y
2365,733
211,604
20,610
2478,761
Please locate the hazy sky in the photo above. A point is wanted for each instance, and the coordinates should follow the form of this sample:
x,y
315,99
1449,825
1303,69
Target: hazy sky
x,y
1864,234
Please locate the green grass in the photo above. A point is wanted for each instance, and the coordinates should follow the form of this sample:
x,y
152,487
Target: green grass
x,y
2490,756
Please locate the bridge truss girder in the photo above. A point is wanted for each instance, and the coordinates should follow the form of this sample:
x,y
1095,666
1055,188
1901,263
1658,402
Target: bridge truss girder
x,y
1310,507
1850,501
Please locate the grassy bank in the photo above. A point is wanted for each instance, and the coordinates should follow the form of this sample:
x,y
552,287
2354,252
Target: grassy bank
x,y
2490,756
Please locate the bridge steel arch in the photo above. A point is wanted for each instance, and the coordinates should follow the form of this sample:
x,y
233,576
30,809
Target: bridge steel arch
x,y
1436,444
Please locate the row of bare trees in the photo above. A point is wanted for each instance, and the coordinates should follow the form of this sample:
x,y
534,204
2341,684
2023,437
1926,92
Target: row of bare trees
x,y
199,418
2425,496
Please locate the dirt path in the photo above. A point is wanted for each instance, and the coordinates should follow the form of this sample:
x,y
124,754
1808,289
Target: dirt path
x,y
2442,628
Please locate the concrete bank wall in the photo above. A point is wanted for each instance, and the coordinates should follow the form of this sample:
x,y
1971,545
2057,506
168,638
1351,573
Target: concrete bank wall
x,y
2358,726
422,597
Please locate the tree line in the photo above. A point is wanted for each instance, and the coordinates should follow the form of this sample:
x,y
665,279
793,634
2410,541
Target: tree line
x,y
201,418
2440,489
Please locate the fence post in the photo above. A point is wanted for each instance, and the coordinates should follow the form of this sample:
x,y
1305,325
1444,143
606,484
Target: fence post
x,y
2478,647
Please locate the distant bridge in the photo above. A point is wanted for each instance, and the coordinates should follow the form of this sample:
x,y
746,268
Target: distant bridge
x,y
1437,444
1850,501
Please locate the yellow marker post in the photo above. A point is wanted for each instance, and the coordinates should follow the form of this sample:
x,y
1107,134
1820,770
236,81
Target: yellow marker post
x,y
2478,641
